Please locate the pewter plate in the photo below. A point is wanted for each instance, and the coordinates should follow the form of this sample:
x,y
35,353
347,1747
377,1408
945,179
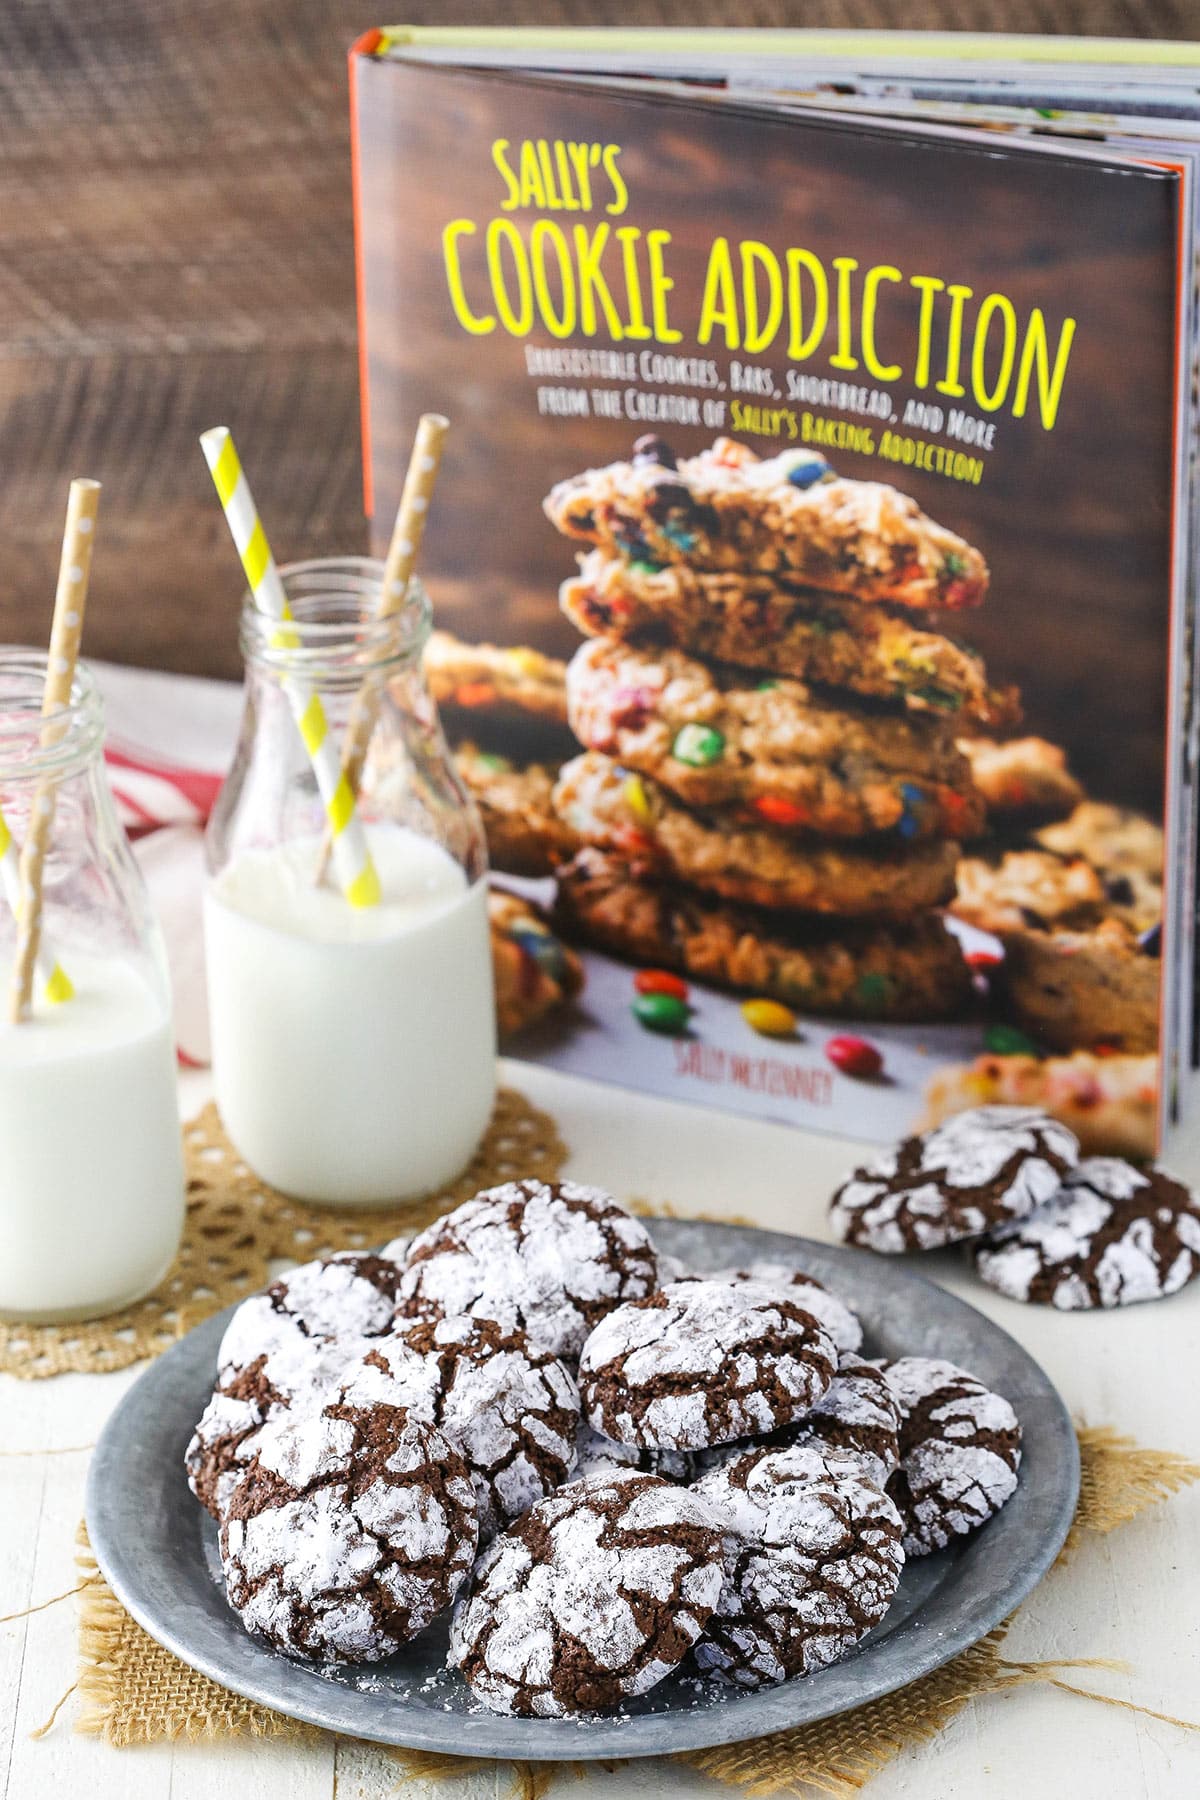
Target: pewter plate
x,y
157,1547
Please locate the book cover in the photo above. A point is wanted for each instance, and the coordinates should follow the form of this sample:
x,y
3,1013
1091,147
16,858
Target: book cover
x,y
809,575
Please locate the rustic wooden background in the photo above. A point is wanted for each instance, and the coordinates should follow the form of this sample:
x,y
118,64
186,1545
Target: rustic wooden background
x,y
175,251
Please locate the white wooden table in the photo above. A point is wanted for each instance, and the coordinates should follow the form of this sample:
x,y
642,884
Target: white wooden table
x,y
1135,1595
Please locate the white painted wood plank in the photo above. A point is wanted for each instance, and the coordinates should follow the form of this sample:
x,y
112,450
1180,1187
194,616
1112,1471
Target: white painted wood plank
x,y
248,1769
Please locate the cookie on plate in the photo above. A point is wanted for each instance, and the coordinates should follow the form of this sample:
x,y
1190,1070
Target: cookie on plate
x,y
1111,1236
960,1450
351,1530
805,1290
283,1349
912,969
549,1257
595,1595
812,1561
780,626
978,1169
633,816
859,1415
350,1294
290,1375
702,1363
771,752
510,1407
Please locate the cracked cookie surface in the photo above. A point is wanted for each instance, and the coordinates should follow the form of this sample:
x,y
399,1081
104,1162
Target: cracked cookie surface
x,y
549,1257
813,1559
960,1451
351,1530
281,1350
1113,1235
828,1309
978,1169
702,1363
512,1409
596,1594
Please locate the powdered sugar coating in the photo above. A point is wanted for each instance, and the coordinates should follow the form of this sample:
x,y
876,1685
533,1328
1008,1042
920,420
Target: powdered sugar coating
x,y
349,1533
1113,1235
292,1375
812,1561
551,1258
511,1408
596,1594
826,1307
978,1169
351,1294
703,1362
860,1417
283,1351
960,1450
600,1455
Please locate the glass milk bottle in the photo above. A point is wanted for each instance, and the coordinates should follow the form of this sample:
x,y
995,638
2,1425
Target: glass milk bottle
x,y
91,1200
353,1046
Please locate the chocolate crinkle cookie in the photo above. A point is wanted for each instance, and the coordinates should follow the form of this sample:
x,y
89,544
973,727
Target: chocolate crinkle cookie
x,y
860,1416
978,1170
511,1407
1111,1236
960,1450
290,1376
548,1257
813,1558
283,1351
704,1362
348,1295
828,1309
351,1530
594,1595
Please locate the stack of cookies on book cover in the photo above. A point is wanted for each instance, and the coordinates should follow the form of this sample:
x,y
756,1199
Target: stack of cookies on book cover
x,y
771,796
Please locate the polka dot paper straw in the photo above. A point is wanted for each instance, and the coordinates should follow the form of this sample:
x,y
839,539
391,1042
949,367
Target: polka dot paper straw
x,y
70,602
422,473
356,873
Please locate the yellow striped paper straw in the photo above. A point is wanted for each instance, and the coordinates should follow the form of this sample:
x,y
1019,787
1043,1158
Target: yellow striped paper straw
x,y
356,872
55,980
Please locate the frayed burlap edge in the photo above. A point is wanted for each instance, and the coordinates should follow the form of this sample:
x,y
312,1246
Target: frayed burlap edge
x,y
235,1225
132,1691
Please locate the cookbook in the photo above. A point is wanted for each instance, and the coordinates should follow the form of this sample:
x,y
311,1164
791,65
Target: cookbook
x,y
812,562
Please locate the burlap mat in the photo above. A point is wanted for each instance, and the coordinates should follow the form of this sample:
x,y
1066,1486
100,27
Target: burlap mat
x,y
235,1225
132,1691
